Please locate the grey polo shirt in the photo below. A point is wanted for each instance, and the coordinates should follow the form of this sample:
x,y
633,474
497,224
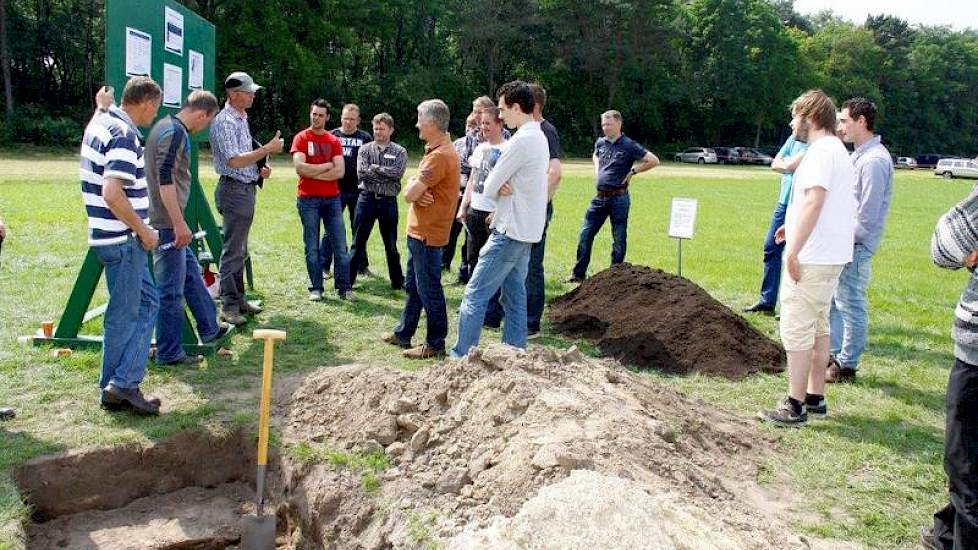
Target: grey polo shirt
x,y
167,163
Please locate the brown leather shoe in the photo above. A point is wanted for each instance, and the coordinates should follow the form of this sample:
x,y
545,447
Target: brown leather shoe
x,y
423,352
392,339
837,374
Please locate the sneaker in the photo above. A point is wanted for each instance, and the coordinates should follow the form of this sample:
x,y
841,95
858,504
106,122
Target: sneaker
x,y
816,407
759,308
785,415
234,318
6,413
392,339
348,295
574,280
222,330
131,397
837,374
315,295
248,309
186,360
424,351
327,274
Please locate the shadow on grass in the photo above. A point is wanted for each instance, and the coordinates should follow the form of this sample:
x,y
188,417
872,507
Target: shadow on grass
x,y
19,447
917,442
901,343
913,397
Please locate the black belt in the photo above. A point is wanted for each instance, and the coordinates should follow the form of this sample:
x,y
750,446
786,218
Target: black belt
x,y
377,196
612,192
229,179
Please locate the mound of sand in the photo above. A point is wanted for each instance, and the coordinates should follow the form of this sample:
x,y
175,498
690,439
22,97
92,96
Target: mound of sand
x,y
582,446
652,319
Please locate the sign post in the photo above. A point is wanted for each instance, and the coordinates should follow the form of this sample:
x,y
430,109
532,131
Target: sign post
x,y
682,221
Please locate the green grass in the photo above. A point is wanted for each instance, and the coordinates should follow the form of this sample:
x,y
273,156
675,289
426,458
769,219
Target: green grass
x,y
871,472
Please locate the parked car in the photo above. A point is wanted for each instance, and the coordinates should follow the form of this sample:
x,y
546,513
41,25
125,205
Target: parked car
x,y
905,162
727,155
956,168
929,161
749,155
701,155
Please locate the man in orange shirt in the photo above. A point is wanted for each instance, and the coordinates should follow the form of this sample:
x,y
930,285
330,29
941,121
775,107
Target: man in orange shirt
x,y
433,194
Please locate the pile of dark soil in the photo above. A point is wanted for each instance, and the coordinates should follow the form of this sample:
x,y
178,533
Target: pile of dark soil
x,y
652,319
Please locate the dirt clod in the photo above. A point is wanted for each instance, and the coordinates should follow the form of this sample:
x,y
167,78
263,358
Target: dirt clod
x,y
652,319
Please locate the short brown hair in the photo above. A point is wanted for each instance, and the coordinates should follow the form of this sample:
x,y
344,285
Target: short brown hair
x,y
816,106
352,107
384,118
201,100
471,120
140,89
483,102
862,107
539,94
493,113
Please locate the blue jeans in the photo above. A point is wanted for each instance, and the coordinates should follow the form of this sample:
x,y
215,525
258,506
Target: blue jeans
x,y
178,279
424,291
127,326
849,317
601,208
329,211
535,288
383,210
772,259
348,200
502,265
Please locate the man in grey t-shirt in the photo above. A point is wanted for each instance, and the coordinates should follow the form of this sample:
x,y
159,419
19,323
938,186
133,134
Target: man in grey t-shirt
x,y
175,265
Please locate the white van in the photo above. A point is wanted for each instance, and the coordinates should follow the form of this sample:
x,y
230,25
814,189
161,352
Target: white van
x,y
956,168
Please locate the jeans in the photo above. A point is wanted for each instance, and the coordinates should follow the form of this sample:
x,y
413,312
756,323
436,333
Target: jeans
x,y
424,291
178,280
236,203
449,254
371,208
502,265
773,251
478,232
535,288
616,207
127,326
329,212
348,200
850,309
956,525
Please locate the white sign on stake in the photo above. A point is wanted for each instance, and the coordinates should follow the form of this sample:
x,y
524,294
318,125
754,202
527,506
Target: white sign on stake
x,y
195,65
172,85
683,218
139,52
173,31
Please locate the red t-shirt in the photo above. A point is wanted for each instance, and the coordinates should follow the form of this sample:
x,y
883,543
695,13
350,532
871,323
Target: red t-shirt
x,y
319,149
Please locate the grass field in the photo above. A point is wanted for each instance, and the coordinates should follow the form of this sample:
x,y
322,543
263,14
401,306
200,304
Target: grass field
x,y
870,473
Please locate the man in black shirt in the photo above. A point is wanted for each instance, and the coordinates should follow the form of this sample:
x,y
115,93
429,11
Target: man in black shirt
x,y
351,138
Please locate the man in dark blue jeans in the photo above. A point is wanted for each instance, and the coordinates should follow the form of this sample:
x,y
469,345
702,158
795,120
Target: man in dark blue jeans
x,y
351,138
785,163
614,159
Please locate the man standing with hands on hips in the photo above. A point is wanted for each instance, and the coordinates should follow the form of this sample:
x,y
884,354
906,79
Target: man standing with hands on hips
x,y
235,163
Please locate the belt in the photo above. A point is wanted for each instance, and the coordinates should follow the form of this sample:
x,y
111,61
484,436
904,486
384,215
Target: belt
x,y
613,192
229,179
376,196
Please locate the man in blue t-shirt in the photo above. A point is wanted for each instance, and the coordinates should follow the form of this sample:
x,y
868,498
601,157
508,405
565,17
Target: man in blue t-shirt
x,y
785,162
614,159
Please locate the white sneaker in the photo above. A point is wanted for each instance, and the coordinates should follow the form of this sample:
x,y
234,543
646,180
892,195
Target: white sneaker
x,y
315,295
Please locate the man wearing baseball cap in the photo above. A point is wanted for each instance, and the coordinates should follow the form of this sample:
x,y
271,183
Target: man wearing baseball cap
x,y
235,161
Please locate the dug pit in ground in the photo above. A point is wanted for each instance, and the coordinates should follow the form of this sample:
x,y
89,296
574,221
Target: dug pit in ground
x,y
459,447
652,319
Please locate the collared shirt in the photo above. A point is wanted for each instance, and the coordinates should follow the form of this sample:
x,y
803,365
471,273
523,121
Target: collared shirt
x,y
112,148
167,163
615,160
231,137
790,148
380,168
521,216
874,189
439,172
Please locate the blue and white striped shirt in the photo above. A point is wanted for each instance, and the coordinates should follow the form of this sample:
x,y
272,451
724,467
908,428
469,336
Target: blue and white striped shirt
x,y
112,148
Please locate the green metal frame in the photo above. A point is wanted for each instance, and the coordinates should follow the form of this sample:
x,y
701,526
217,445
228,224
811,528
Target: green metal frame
x,y
199,34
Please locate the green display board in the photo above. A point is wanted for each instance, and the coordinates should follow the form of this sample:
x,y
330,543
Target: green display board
x,y
175,47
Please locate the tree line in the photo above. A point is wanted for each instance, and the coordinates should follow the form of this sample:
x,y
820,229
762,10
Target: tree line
x,y
682,72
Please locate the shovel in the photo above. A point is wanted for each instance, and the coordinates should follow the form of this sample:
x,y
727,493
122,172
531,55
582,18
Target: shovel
x,y
258,531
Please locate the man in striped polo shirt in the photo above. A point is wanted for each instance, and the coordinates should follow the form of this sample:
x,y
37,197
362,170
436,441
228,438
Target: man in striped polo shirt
x,y
113,186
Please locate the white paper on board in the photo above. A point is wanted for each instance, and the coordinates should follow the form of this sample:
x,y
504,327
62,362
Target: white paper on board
x,y
173,28
195,65
139,52
172,85
682,220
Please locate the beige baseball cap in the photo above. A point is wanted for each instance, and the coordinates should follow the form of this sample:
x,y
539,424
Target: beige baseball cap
x,y
240,81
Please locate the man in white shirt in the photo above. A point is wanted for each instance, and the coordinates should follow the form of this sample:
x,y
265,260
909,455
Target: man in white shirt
x,y
818,232
518,183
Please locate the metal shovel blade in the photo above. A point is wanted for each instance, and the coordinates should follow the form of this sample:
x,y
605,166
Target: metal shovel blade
x,y
258,532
